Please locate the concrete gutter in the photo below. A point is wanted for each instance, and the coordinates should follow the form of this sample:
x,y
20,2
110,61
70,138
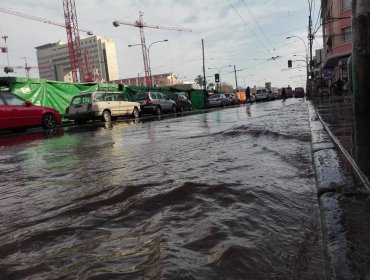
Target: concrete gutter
x,y
332,181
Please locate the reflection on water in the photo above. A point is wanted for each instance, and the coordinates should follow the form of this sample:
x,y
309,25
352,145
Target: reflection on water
x,y
221,195
18,139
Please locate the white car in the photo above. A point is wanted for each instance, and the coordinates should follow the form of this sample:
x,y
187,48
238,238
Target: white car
x,y
261,95
100,105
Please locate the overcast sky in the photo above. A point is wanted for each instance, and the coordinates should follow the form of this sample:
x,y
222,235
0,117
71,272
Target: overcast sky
x,y
244,33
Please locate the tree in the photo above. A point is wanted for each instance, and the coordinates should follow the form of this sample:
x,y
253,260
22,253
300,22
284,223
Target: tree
x,y
226,87
199,80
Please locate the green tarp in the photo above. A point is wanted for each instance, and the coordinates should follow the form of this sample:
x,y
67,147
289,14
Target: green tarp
x,y
58,95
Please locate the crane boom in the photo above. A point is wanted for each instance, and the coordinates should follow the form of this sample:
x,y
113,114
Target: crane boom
x,y
43,20
140,24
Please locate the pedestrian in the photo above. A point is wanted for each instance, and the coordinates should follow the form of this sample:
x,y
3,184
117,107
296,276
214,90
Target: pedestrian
x,y
339,86
248,95
283,93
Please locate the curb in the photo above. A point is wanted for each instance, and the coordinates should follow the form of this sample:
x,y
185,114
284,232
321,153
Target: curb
x,y
331,182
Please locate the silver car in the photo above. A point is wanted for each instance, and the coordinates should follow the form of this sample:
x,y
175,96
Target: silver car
x,y
100,105
155,102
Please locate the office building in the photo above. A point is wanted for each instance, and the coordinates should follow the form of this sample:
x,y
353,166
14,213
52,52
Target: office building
x,y
54,63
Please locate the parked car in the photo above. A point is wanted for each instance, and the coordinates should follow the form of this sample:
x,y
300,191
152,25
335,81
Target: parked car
x,y
155,102
100,105
182,101
270,95
261,95
289,92
17,113
233,99
298,92
217,100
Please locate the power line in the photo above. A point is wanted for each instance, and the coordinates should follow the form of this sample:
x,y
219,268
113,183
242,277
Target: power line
x,y
245,22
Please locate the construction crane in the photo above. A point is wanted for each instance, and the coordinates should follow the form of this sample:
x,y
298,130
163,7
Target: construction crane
x,y
27,68
140,24
72,29
74,48
43,20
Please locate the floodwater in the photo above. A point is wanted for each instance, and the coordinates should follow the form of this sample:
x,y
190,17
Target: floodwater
x,y
227,194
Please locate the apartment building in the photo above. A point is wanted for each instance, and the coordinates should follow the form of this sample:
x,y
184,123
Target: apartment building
x,y
54,64
337,38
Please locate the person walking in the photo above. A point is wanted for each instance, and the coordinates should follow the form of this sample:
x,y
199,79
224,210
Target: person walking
x,y
248,95
283,94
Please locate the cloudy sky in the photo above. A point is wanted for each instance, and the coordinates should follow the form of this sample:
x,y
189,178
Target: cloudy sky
x,y
250,34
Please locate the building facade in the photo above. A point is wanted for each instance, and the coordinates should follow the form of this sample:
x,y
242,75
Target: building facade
x,y
337,38
159,80
54,63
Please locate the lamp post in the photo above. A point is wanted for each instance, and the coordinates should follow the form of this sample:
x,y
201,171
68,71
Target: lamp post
x,y
148,52
306,58
219,72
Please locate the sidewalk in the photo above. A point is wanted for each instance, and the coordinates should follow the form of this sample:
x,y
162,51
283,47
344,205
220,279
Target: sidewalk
x,y
342,187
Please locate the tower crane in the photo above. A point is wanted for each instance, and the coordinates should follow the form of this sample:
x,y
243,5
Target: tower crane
x,y
140,24
73,36
74,48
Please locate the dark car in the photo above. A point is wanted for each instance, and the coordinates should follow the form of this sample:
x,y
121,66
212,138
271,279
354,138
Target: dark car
x,y
17,113
154,102
182,101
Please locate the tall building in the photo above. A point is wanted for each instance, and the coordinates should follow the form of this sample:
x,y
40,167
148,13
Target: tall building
x,y
54,64
337,32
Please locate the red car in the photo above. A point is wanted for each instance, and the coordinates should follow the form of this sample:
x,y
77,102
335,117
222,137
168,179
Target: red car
x,y
17,113
298,92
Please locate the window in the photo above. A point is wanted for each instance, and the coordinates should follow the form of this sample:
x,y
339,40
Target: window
x,y
82,99
1,101
346,4
346,34
13,100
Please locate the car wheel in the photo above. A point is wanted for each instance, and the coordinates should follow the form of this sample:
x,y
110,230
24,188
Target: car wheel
x,y
106,116
136,113
157,110
173,109
49,121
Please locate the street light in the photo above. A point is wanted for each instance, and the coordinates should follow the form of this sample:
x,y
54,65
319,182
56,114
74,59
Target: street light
x,y
306,58
219,72
148,52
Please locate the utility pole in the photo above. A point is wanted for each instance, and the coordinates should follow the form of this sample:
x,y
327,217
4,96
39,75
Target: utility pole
x,y
361,57
310,38
204,68
236,79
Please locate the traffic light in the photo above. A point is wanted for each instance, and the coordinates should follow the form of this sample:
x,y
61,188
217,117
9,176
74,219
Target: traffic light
x,y
217,78
289,63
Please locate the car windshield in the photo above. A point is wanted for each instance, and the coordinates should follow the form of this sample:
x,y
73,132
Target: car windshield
x,y
81,99
140,96
213,96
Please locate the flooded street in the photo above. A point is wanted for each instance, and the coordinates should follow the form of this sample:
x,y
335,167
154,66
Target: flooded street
x,y
226,194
